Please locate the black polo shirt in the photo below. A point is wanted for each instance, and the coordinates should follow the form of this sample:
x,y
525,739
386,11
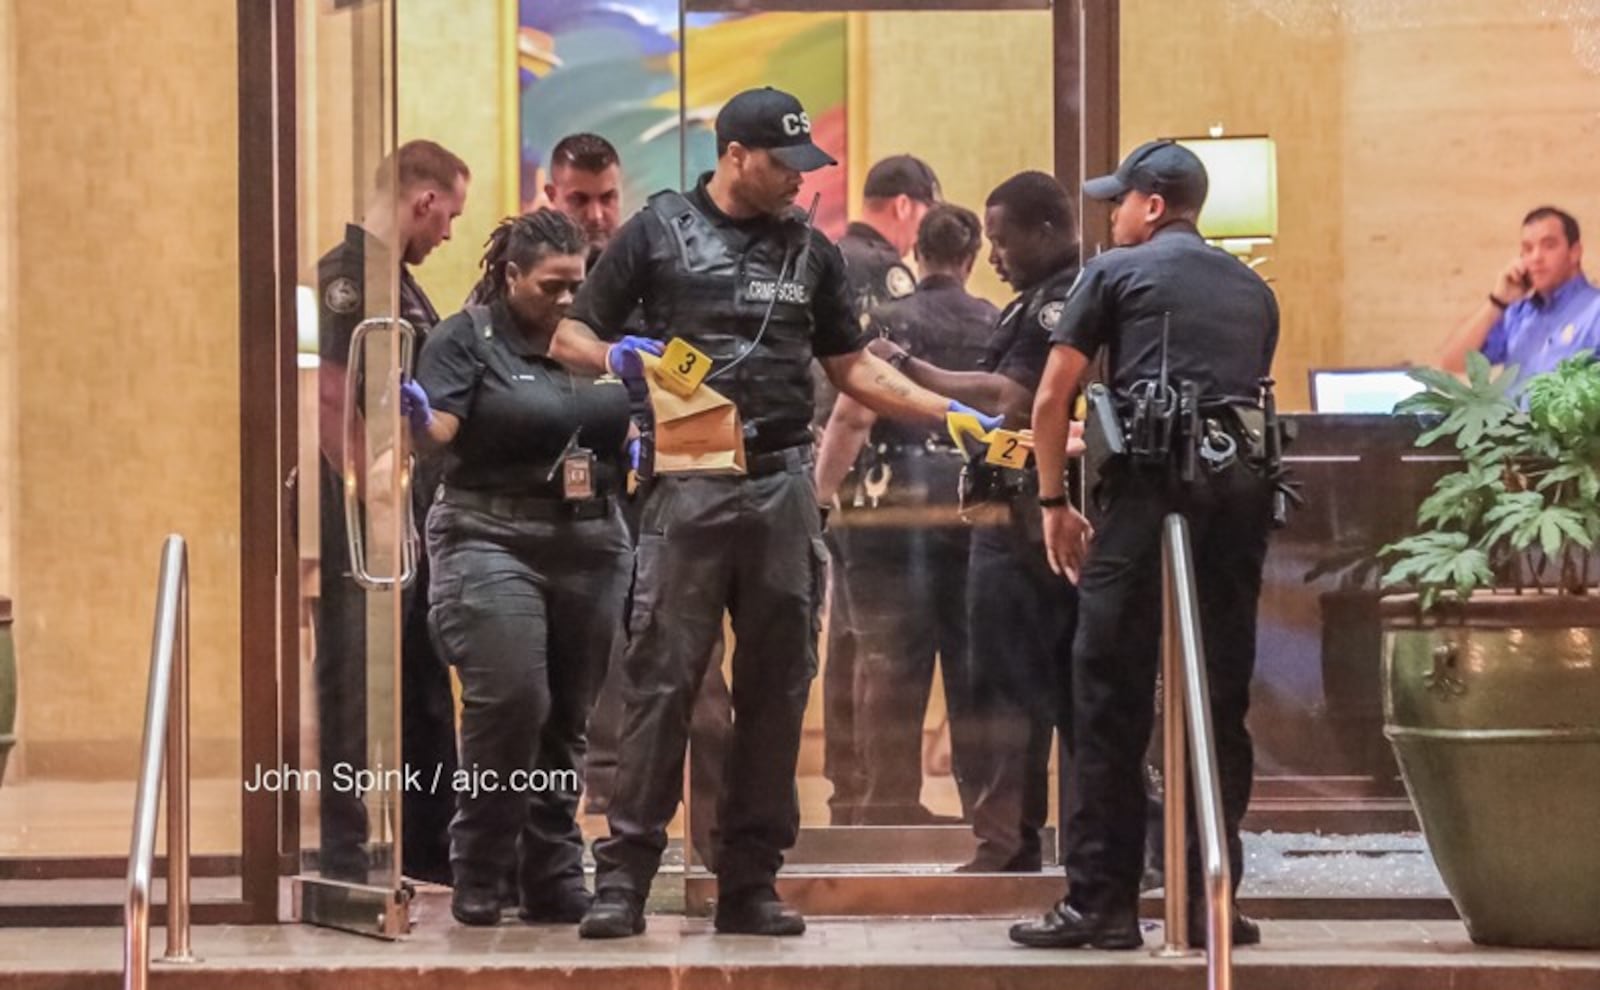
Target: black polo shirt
x,y
518,409
1223,317
617,285
1020,346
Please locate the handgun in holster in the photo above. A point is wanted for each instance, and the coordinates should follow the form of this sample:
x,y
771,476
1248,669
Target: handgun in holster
x,y
1102,430
1277,434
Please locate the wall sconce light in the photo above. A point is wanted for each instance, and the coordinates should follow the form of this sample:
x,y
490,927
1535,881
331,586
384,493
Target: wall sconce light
x,y
1241,210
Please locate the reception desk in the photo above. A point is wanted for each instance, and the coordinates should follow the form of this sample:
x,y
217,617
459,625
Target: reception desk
x,y
1317,712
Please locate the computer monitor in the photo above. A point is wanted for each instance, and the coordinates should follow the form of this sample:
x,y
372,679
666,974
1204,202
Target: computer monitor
x,y
1360,390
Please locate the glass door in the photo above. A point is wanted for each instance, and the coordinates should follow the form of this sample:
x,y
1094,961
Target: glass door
x,y
357,541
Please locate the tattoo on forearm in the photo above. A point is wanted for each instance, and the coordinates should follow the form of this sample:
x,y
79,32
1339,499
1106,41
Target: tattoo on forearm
x,y
894,386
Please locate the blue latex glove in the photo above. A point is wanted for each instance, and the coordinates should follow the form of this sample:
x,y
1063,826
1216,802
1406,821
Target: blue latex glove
x,y
968,427
414,405
633,454
623,357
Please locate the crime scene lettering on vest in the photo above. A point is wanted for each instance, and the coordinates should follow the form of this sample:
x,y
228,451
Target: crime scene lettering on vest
x,y
761,289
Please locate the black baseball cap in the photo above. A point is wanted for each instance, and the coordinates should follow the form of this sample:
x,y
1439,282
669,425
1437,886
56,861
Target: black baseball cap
x,y
772,119
902,175
1164,167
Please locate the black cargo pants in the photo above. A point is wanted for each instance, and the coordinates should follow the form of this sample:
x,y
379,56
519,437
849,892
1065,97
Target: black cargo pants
x,y
751,545
1116,655
1021,619
525,604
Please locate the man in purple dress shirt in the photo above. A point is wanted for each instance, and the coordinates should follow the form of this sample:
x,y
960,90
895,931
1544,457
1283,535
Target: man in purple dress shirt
x,y
1542,309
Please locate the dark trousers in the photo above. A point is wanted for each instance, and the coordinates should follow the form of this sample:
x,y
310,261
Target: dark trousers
x,y
907,590
427,720
750,546
1116,656
428,734
526,609
841,760
1022,618
340,673
710,726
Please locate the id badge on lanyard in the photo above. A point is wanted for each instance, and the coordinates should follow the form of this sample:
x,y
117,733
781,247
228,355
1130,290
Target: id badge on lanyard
x,y
577,475
576,465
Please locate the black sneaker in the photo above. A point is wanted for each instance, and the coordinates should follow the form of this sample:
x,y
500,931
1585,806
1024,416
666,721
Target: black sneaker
x,y
476,906
562,906
757,912
613,914
1066,927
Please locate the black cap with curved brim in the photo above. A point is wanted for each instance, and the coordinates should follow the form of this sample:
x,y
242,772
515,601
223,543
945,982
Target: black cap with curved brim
x,y
772,119
1163,167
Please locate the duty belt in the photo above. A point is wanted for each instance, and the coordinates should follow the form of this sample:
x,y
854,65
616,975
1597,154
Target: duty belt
x,y
529,507
792,459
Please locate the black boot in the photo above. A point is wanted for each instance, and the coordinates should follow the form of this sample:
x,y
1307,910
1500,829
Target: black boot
x,y
475,905
758,911
1066,927
564,905
615,913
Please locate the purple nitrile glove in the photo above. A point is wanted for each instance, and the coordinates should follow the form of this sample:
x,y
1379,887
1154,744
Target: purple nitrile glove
x,y
414,405
623,357
633,453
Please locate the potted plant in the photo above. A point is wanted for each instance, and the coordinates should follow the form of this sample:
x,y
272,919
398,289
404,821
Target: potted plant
x,y
1492,662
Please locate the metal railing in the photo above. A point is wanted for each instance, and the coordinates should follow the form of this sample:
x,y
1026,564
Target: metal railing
x,y
166,746
1186,704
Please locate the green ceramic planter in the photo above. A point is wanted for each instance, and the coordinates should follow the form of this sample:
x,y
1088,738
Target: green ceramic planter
x,y
8,687
1493,710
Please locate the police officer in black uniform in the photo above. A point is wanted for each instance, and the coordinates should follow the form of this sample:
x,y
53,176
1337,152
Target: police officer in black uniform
x,y
531,564
898,192
1163,300
1020,621
419,192
586,184
907,566
734,271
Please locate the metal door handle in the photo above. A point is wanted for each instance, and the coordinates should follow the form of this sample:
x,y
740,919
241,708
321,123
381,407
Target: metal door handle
x,y
354,366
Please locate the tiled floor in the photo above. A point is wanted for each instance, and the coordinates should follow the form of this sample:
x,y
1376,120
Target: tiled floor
x,y
678,952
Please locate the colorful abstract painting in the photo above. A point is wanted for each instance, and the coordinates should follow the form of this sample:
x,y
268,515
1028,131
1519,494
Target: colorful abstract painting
x,y
611,67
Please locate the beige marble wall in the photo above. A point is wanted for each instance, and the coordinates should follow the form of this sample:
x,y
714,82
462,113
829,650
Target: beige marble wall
x,y
8,283
968,92
1458,123
123,318
1411,140
1188,66
455,57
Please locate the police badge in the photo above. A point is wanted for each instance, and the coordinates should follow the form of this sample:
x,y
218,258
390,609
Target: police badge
x,y
342,295
899,283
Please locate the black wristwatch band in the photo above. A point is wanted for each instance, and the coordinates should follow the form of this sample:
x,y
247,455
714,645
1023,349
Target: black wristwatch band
x,y
1053,502
1498,302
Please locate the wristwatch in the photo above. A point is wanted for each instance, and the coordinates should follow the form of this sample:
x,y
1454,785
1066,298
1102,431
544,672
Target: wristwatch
x,y
1498,302
898,360
1052,502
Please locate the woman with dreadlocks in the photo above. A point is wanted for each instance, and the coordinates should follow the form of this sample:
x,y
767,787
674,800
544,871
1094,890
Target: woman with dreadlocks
x,y
530,564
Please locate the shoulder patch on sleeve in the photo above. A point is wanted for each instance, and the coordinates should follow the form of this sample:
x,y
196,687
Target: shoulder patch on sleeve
x,y
342,295
1050,314
898,282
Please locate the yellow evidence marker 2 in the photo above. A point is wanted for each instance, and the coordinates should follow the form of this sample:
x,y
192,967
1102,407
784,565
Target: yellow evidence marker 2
x,y
1009,448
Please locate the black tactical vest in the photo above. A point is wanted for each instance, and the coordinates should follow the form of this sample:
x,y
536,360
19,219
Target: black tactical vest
x,y
713,287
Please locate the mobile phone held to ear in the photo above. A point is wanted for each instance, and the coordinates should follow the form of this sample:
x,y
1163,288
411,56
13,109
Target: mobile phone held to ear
x,y
1526,282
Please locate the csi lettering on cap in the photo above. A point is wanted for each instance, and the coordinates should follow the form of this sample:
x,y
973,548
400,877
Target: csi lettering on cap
x,y
773,120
